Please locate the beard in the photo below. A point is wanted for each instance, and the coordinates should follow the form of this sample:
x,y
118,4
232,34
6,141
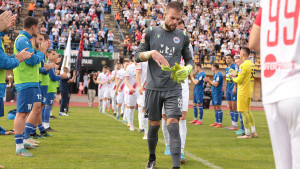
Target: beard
x,y
168,27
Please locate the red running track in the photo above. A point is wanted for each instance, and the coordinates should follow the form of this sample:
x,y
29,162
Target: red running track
x,y
85,104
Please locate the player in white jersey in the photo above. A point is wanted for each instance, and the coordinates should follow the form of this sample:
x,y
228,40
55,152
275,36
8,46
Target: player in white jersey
x,y
107,93
113,80
131,92
103,81
141,77
276,36
120,90
185,105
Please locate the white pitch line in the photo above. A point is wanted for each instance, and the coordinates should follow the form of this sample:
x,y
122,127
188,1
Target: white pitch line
x,y
192,156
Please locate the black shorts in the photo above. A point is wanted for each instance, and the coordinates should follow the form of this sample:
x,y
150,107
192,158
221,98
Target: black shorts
x,y
154,101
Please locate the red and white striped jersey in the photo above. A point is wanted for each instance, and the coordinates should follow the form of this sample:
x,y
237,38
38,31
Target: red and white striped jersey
x,y
121,75
131,74
280,49
143,66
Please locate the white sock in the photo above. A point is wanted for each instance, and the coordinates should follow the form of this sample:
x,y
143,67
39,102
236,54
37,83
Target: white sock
x,y
122,108
253,129
104,106
50,112
100,104
19,146
140,117
125,116
145,120
182,132
118,109
114,105
46,125
165,132
247,132
232,123
131,116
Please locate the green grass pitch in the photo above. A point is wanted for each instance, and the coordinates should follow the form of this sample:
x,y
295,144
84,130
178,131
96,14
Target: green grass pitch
x,y
88,139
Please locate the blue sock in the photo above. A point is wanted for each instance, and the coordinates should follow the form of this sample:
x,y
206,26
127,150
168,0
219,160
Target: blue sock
x,y
232,115
195,112
220,116
241,120
43,114
200,112
27,132
33,131
216,116
41,128
236,116
47,114
19,138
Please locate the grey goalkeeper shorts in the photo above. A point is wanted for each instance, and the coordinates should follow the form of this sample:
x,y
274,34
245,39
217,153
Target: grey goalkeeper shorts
x,y
154,101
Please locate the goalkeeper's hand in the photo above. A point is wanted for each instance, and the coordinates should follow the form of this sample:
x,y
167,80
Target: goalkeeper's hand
x,y
172,69
182,72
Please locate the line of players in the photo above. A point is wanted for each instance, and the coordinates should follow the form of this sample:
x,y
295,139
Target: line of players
x,y
125,87
36,81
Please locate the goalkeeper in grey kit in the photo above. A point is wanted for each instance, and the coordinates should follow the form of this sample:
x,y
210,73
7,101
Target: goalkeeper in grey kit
x,y
163,48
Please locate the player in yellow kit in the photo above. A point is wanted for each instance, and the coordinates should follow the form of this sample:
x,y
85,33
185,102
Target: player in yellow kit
x,y
245,81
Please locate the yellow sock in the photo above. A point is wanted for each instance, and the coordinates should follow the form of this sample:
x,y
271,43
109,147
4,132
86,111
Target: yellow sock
x,y
246,120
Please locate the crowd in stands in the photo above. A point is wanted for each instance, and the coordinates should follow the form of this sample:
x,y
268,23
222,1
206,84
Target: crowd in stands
x,y
214,27
16,8
61,18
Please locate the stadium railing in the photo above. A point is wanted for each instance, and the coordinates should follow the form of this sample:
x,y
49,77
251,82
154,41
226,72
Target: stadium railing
x,y
118,26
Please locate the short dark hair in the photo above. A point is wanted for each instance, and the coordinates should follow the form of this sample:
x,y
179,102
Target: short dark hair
x,y
46,37
216,65
229,55
125,60
246,50
105,67
174,5
198,64
30,21
181,21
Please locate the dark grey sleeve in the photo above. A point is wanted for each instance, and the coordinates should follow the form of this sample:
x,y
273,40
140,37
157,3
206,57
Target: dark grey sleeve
x,y
143,47
186,53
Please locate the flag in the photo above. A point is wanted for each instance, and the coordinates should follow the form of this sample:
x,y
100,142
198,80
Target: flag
x,y
79,58
67,56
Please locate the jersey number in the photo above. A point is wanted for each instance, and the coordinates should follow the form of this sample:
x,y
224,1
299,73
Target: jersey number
x,y
252,73
287,15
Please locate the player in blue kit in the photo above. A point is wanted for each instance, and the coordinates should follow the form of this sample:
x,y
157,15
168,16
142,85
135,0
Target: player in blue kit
x,y
231,92
216,94
198,94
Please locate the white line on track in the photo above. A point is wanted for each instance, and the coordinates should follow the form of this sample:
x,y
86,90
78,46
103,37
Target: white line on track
x,y
192,156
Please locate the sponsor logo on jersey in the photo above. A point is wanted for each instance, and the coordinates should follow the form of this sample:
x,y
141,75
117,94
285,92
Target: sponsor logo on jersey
x,y
176,40
271,66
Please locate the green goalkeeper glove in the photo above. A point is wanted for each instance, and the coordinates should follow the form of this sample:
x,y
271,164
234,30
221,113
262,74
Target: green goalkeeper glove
x,y
182,73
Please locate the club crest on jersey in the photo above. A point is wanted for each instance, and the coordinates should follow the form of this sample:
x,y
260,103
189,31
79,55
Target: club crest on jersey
x,y
176,40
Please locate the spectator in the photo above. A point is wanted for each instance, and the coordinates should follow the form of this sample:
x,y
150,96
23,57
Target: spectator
x,y
62,42
6,43
43,29
55,42
31,8
110,38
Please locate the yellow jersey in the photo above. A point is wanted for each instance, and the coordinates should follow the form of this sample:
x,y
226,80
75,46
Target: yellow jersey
x,y
245,79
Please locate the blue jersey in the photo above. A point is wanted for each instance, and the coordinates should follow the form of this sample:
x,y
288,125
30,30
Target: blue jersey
x,y
199,88
218,77
230,84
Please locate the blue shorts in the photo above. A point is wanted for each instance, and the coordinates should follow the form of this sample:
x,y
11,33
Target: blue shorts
x,y
231,97
198,98
50,98
216,99
44,90
26,98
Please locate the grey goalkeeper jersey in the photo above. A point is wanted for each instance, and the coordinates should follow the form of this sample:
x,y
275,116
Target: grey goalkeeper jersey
x,y
172,45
